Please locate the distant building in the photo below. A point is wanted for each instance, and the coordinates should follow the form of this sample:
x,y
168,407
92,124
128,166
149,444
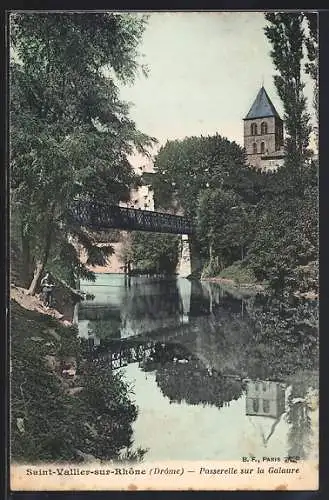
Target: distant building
x,y
265,398
263,134
142,197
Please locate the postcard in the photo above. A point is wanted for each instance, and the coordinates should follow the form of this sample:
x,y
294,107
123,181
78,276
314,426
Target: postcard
x,y
164,250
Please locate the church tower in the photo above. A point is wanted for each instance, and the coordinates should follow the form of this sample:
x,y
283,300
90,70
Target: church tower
x,y
263,134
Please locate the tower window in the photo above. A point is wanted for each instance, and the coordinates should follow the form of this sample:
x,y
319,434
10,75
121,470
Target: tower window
x,y
254,129
266,406
263,128
255,405
254,147
262,147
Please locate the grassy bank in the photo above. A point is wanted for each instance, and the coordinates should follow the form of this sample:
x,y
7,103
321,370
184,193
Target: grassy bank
x,y
63,408
238,275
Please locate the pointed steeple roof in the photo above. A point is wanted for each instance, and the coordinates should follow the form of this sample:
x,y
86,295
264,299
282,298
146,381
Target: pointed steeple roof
x,y
262,107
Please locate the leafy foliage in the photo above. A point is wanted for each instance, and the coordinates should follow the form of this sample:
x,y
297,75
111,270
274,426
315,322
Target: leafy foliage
x,y
47,422
287,337
206,177
70,134
104,417
286,35
154,253
286,238
185,168
312,46
239,272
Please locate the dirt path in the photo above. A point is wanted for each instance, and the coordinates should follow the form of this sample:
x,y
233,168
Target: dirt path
x,y
34,303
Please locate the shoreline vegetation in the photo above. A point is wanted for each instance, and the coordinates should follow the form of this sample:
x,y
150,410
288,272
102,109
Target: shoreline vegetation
x,y
63,407
253,288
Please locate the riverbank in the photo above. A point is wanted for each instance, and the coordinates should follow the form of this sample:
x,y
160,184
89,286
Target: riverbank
x,y
55,415
239,278
254,288
34,303
230,283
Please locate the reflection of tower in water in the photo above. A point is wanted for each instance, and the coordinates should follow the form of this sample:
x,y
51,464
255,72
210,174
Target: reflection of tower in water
x,y
265,398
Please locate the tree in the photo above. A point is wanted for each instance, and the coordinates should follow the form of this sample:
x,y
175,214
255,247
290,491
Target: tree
x,y
312,46
286,35
203,177
288,217
154,253
225,225
285,239
185,168
70,133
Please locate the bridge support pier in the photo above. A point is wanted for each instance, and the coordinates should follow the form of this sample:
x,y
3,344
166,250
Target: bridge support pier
x,y
184,265
184,288
189,261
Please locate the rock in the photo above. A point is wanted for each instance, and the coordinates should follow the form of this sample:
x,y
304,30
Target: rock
x,y
57,315
74,390
71,372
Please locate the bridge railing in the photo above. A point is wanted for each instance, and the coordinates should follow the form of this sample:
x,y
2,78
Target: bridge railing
x,y
100,216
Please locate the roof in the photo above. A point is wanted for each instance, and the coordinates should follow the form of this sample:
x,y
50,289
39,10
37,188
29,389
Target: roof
x,y
262,107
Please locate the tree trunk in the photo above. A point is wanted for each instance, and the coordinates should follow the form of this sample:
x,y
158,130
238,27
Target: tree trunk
x,y
40,263
39,268
26,261
210,252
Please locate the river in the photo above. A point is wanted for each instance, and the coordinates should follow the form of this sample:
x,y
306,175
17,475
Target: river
x,y
213,377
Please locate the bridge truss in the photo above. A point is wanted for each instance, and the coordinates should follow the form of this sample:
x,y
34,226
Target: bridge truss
x,y
100,217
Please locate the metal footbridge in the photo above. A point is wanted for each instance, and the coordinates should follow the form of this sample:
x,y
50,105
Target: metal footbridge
x,y
99,217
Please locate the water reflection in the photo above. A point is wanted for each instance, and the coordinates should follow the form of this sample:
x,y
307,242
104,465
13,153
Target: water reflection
x,y
265,398
188,345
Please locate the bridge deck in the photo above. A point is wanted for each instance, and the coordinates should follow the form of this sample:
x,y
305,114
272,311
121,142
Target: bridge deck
x,y
99,216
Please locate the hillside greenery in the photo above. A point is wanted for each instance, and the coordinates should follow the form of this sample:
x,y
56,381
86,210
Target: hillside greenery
x,y
49,422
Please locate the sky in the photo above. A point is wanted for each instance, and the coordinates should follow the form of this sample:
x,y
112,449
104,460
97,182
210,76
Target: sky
x,y
205,69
